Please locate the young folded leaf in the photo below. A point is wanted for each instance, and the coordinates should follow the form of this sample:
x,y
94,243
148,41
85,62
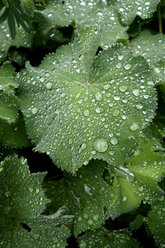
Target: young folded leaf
x,y
76,111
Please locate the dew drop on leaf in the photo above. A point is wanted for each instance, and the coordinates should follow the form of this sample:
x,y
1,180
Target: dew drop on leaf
x,y
34,111
134,127
114,141
135,92
100,145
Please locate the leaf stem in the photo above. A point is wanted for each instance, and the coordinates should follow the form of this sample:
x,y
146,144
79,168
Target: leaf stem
x,y
159,20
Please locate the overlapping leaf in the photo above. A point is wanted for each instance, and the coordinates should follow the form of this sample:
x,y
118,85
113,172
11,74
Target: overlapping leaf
x,y
104,238
22,201
152,47
12,127
22,39
129,9
156,222
85,13
76,110
98,192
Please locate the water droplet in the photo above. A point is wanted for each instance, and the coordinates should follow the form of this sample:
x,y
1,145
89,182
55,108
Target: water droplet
x,y
86,112
34,110
100,145
87,189
120,57
139,106
115,112
70,141
141,188
135,92
114,141
95,217
134,126
90,222
80,218
37,191
123,88
127,67
117,98
146,96
124,198
118,66
106,87
49,86
98,96
98,110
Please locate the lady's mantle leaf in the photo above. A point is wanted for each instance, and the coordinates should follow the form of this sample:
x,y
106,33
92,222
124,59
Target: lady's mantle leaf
x,y
22,38
85,14
22,201
104,238
156,222
76,111
145,44
129,9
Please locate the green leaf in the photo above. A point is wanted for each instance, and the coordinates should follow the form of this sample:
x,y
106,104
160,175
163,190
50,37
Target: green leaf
x,y
144,45
85,195
7,78
95,14
22,201
104,238
9,105
129,9
22,39
148,169
156,222
75,116
14,135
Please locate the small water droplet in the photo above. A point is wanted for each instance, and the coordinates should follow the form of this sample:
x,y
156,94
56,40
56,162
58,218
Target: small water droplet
x,y
120,57
114,141
98,96
115,112
134,126
100,145
86,112
70,141
106,86
135,92
34,111
98,110
139,106
124,198
127,67
49,86
118,66
123,88
140,188
90,222
95,217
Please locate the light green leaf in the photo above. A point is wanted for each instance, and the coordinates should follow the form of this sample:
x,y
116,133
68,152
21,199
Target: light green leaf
x,y
129,9
104,238
148,169
156,222
85,14
145,45
22,201
22,38
75,116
